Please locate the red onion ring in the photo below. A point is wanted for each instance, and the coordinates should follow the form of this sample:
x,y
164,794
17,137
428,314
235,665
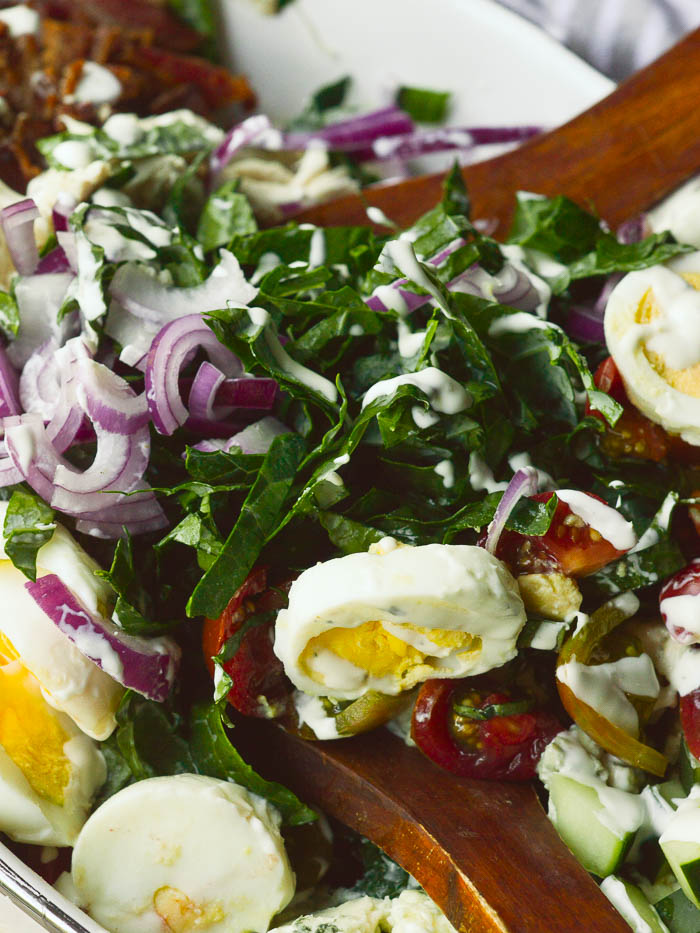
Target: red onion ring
x,y
168,354
146,665
523,483
17,221
9,387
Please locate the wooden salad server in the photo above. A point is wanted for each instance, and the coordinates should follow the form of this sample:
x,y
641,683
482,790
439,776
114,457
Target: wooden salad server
x,y
620,157
486,852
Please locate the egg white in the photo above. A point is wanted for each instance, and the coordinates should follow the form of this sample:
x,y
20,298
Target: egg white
x,y
70,681
185,852
388,620
49,770
652,330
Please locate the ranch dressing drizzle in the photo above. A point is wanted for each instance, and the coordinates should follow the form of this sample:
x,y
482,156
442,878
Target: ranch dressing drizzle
x,y
604,519
261,318
446,395
603,687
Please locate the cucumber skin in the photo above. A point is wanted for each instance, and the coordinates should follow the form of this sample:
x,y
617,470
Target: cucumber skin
x,y
678,913
584,804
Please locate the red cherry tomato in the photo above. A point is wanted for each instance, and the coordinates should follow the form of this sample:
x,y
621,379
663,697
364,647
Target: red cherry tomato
x,y
690,720
502,748
260,687
570,546
684,583
635,435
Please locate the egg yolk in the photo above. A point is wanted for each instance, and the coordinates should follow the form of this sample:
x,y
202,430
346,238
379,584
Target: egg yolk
x,y
32,736
180,913
7,650
685,380
373,649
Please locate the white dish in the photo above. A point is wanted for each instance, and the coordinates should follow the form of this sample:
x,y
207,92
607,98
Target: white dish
x,y
501,69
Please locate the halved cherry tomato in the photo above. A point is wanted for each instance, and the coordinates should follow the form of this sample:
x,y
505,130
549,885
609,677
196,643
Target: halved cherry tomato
x,y
581,647
260,687
690,720
570,546
499,748
685,582
635,435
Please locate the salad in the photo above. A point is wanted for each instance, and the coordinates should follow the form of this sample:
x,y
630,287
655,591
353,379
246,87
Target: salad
x,y
345,479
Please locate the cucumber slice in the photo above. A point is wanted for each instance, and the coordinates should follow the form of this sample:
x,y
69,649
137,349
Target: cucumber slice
x,y
689,767
678,913
576,812
684,859
628,900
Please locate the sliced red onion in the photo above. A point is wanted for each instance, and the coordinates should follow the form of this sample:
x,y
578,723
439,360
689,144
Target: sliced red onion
x,y
213,396
63,207
39,298
422,142
31,452
9,387
139,291
67,242
605,292
67,417
108,400
145,665
254,439
523,483
55,261
634,229
256,130
357,133
511,286
116,529
168,354
17,222
585,324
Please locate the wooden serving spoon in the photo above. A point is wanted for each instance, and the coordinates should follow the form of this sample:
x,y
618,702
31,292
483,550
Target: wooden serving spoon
x,y
621,156
486,852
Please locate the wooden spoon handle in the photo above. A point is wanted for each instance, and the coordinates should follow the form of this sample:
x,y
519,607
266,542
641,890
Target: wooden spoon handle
x,y
485,852
619,157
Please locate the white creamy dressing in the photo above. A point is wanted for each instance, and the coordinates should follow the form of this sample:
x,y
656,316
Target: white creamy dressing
x,y
600,516
481,476
446,469
573,755
410,343
682,612
267,262
20,20
311,713
424,419
391,297
546,637
403,256
123,128
685,824
445,394
519,323
96,85
604,687
261,318
659,524
377,216
616,892
73,154
679,213
521,461
317,248
117,247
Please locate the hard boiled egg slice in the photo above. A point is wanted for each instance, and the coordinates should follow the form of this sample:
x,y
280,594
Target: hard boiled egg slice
x,y
182,853
49,770
389,620
70,681
652,329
